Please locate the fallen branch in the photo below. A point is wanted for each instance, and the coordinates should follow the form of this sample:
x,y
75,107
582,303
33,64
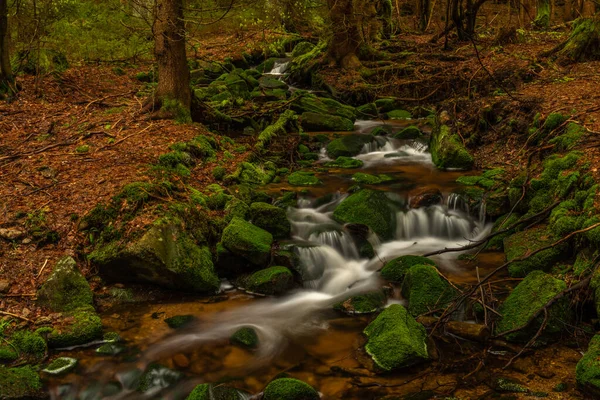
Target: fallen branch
x,y
15,316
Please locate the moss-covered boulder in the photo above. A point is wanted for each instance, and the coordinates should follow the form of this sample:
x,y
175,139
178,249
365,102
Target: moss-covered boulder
x,y
270,218
396,269
179,321
20,383
367,111
426,290
245,337
410,132
521,244
290,389
447,149
368,179
77,328
268,82
366,303
270,281
396,340
29,344
248,241
322,105
348,145
587,372
526,300
66,289
303,178
61,366
315,122
166,256
345,162
302,48
368,207
399,114
207,391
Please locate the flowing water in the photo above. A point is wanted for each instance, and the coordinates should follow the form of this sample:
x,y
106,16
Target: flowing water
x,y
298,333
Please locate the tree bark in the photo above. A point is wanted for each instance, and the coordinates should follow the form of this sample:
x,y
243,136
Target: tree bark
x,y
170,53
423,12
542,16
6,75
346,40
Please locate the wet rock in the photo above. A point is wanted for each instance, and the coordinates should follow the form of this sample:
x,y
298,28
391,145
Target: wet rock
x,y
522,243
245,337
157,377
370,208
270,218
476,332
270,281
396,269
290,389
587,372
348,145
207,391
315,122
165,255
368,179
395,339
110,349
12,233
268,82
344,162
399,114
66,289
181,361
447,149
303,178
20,383
426,290
61,366
80,327
382,130
425,198
4,286
368,111
410,132
366,303
179,321
526,300
248,241
360,235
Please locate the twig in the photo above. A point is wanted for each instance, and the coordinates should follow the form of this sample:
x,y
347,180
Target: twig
x,y
123,139
42,270
15,316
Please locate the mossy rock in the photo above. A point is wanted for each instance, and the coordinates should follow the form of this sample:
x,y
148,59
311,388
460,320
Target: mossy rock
x,y
157,377
368,207
245,337
290,389
503,222
66,289
525,300
61,366
399,114
386,105
382,130
303,178
426,290
410,132
396,340
270,281
270,218
302,48
345,162
8,353
315,122
179,321
207,391
268,82
20,383
368,179
368,110
523,243
166,256
236,208
587,372
395,270
366,303
348,145
447,149
247,241
83,327
110,349
252,174
325,106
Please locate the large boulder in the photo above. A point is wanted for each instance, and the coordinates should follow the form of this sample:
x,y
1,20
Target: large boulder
x,y
270,218
66,289
426,290
290,389
270,281
447,149
526,300
248,241
316,122
523,243
79,327
368,207
587,372
425,197
165,255
321,105
20,383
348,145
395,339
396,269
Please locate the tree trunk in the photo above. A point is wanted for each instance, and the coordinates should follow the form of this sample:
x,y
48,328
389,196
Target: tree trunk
x,y
6,75
423,11
169,50
582,45
542,16
346,40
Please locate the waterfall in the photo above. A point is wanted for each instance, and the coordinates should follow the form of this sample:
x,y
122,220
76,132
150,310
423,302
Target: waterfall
x,y
435,221
279,68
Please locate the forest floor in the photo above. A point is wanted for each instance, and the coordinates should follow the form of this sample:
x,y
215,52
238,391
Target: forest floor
x,y
71,141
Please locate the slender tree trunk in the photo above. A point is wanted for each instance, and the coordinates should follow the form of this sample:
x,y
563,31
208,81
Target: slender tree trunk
x,y
169,50
347,39
423,12
6,75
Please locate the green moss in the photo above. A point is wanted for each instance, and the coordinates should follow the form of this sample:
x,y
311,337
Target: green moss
x,y
289,389
315,122
348,145
303,178
399,114
448,151
528,298
8,353
587,372
570,138
83,149
368,110
564,218
368,207
523,243
179,321
410,132
66,289
426,290
177,110
395,339
270,218
110,349
85,327
29,343
19,383
278,128
497,242
395,270
324,106
506,385
248,241
344,162
245,337
363,303
302,48
271,281
219,173
553,121
368,179
61,366
382,130
249,173
385,105
200,392
236,208
560,387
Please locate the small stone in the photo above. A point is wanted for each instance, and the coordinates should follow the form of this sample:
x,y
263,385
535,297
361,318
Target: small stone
x,y
544,373
4,286
26,241
12,233
26,312
425,198
61,366
181,361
